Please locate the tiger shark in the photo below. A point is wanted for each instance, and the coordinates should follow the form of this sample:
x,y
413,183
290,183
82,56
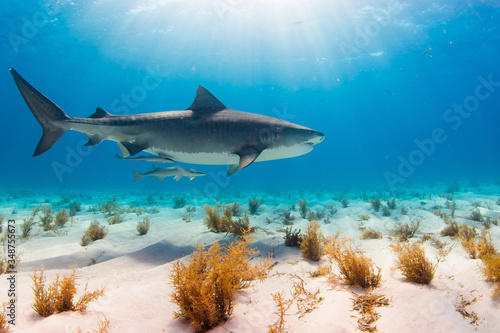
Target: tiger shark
x,y
207,132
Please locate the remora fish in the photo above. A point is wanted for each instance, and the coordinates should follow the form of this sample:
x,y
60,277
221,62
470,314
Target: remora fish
x,y
177,171
207,132
156,159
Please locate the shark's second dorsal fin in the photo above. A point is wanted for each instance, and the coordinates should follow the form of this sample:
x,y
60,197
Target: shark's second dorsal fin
x,y
206,102
100,113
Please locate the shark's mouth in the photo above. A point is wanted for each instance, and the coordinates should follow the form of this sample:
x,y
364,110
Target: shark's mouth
x,y
317,138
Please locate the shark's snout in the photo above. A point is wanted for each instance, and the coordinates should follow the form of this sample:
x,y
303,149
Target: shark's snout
x,y
316,137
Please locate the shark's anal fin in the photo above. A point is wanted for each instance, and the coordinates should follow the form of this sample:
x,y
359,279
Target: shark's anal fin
x,y
131,148
247,156
205,102
94,140
160,178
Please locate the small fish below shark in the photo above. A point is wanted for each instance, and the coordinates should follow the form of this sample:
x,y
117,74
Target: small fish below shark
x,y
154,159
177,171
207,132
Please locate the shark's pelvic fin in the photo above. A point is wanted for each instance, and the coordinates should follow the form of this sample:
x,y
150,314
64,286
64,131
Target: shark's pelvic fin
x,y
48,114
206,102
177,178
100,113
94,140
124,150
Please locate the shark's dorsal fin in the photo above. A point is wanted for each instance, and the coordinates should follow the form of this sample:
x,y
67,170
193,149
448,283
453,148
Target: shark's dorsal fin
x,y
206,102
100,113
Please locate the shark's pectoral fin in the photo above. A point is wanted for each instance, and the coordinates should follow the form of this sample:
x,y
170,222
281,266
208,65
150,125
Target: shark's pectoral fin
x,y
94,140
131,148
233,168
247,156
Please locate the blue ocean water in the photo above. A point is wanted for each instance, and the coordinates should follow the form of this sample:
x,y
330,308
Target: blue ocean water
x,y
406,92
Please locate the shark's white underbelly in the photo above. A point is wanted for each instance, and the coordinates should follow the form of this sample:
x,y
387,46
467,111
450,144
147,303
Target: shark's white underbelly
x,y
227,158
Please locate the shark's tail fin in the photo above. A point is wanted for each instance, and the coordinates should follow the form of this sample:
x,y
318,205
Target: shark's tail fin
x,y
45,111
137,175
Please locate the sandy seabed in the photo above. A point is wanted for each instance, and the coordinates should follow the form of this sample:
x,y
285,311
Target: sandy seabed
x,y
136,269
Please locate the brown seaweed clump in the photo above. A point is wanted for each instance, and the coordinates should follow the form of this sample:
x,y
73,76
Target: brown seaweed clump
x,y
94,232
355,268
224,223
283,305
413,264
59,296
490,264
205,288
311,244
